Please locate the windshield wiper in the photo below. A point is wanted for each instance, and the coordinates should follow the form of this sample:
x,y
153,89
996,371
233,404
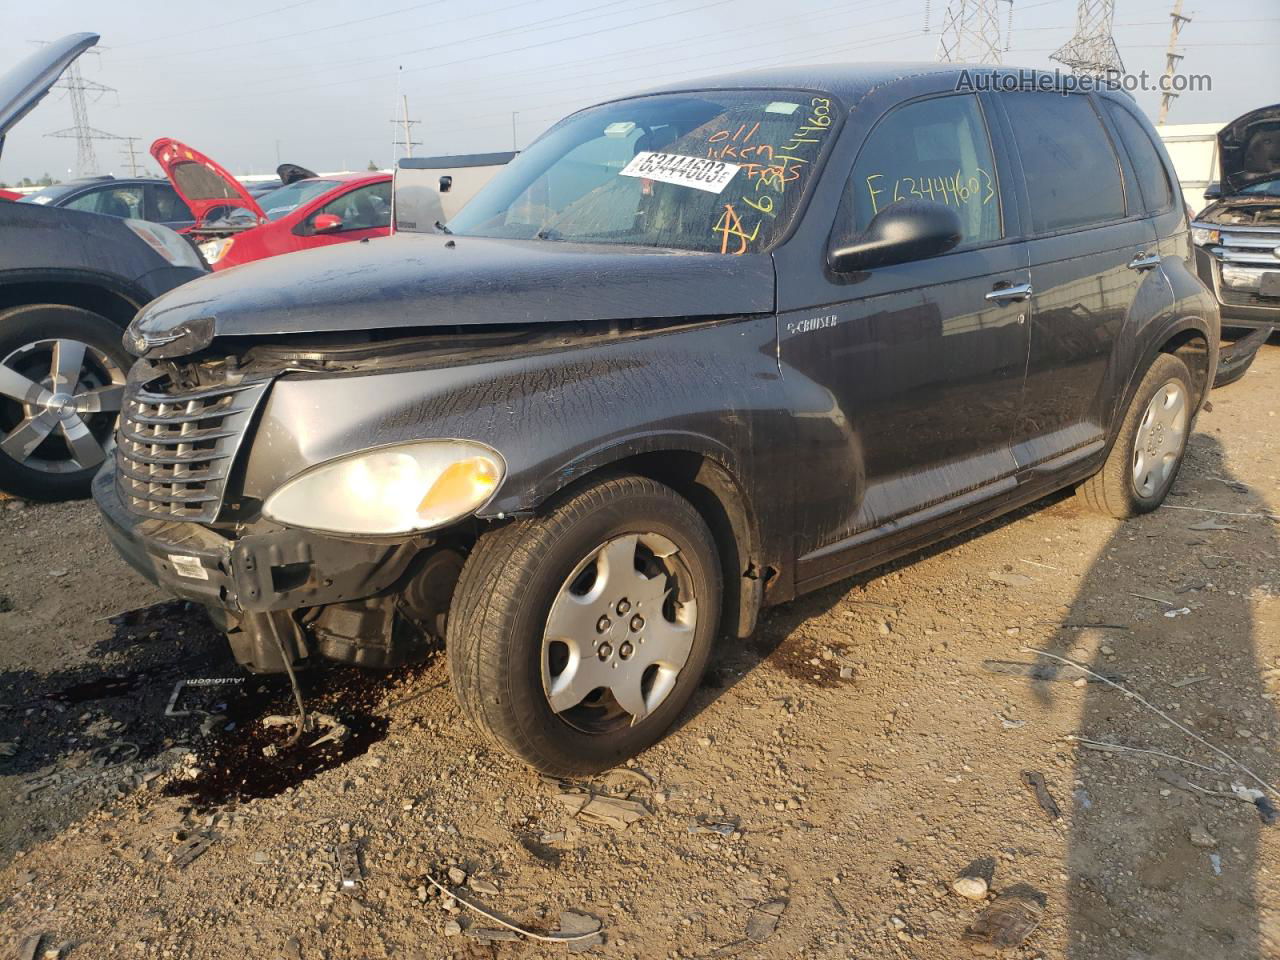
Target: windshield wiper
x,y
442,228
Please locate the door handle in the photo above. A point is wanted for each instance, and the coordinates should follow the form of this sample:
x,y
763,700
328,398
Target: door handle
x,y
1013,292
1145,261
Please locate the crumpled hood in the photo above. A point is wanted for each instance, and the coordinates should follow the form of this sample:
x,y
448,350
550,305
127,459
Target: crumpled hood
x,y
423,280
1249,149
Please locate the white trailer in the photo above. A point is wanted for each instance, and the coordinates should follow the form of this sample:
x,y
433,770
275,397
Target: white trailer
x,y
428,190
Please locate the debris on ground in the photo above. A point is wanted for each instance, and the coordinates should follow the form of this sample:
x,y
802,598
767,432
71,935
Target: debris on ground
x,y
1034,781
606,811
1007,923
1177,612
764,920
574,925
1042,671
189,849
349,873
971,888
724,828
491,934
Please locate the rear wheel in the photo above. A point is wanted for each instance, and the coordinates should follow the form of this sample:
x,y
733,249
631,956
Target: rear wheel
x,y
1149,449
62,374
575,639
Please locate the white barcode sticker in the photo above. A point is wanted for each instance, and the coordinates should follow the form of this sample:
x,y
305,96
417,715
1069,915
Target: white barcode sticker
x,y
701,174
189,567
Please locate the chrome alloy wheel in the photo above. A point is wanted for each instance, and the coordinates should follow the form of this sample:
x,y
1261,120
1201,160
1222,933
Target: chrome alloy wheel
x,y
1158,442
620,630
56,390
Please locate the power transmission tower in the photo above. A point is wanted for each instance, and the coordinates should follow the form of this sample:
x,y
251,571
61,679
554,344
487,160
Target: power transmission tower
x,y
1092,49
1172,59
78,91
971,32
129,154
408,142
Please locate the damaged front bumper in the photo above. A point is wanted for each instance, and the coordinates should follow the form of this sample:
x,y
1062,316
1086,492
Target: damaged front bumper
x,y
255,580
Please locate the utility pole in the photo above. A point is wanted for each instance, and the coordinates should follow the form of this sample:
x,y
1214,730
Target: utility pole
x,y
129,153
514,114
78,90
971,32
1172,59
408,142
1092,49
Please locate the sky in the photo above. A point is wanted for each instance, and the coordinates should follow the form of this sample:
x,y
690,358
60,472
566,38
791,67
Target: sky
x,y
318,82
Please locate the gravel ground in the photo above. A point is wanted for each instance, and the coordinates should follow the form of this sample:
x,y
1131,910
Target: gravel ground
x,y
835,775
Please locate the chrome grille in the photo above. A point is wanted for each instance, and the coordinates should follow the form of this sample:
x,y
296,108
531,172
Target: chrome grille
x,y
175,447
1252,246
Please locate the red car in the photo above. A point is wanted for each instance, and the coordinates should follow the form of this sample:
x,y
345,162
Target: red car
x,y
233,228
9,195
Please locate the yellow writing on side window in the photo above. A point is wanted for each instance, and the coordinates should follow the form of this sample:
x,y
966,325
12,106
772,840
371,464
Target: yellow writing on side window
x,y
957,189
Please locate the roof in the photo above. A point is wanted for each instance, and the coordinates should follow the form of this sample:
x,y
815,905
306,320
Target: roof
x,y
369,175
848,81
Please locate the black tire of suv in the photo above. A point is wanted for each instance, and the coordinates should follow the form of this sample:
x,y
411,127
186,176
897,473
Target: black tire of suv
x,y
499,613
23,325
1111,490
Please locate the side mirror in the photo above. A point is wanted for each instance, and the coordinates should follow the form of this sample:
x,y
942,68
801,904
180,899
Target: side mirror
x,y
446,183
907,230
1213,191
326,222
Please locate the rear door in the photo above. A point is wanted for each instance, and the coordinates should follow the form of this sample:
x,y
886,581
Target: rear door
x,y
1090,254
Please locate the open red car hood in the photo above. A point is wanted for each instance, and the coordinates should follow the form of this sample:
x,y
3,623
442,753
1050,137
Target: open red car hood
x,y
204,184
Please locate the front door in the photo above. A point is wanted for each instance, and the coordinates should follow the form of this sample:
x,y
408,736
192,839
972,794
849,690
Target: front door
x,y
922,362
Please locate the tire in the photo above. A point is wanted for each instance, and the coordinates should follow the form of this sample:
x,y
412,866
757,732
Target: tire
x,y
507,664
52,441
1149,449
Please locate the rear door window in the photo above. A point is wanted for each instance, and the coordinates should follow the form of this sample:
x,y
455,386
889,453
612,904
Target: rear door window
x,y
113,201
1153,180
1072,172
169,207
935,150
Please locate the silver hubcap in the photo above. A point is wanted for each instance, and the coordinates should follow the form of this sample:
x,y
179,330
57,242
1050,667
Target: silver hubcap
x,y
619,632
55,388
1158,444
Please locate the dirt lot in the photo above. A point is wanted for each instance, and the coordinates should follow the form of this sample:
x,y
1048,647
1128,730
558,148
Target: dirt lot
x,y
862,750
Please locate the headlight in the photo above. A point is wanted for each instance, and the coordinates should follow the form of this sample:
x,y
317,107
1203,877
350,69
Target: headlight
x,y
165,242
215,250
1203,236
398,489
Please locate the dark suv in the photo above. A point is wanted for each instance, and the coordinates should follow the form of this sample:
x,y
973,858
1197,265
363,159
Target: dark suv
x,y
134,198
690,354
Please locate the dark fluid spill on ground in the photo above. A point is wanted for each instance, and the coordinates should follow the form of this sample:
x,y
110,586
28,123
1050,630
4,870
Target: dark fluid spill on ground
x,y
232,763
98,689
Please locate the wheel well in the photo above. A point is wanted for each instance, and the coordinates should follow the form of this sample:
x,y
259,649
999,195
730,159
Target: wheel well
x,y
715,494
86,296
1191,347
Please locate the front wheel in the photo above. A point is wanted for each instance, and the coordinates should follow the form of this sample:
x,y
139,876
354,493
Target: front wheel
x,y
576,638
1149,449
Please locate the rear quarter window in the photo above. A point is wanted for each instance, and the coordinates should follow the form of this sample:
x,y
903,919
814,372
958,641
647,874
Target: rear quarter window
x,y
1072,172
1153,179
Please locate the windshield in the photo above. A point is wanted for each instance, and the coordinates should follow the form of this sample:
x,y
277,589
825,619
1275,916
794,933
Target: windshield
x,y
1267,188
278,203
49,194
722,172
